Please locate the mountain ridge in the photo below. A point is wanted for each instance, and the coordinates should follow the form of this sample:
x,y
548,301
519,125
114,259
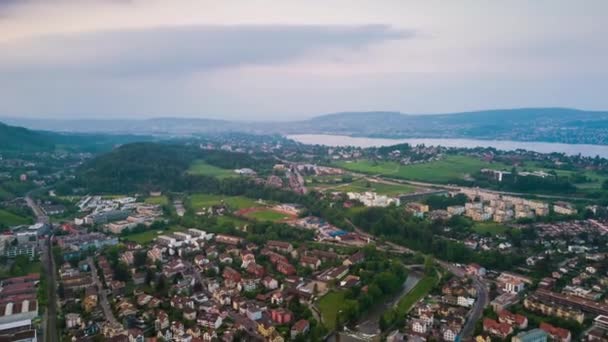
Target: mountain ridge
x,y
551,124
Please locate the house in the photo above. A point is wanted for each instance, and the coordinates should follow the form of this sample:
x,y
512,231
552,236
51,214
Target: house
x,y
418,326
354,259
228,239
534,335
417,209
449,334
476,270
301,327
286,268
334,273
507,317
270,283
256,270
564,208
162,321
280,246
495,328
310,262
231,275
557,334
73,320
281,316
512,283
189,314
277,298
210,320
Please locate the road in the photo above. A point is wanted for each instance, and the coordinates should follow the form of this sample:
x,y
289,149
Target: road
x,y
380,178
105,304
483,299
50,315
49,320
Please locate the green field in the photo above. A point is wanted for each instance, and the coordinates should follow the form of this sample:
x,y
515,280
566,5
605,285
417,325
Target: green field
x,y
441,171
267,215
10,219
361,185
490,227
149,235
198,201
199,167
330,304
419,291
157,200
237,222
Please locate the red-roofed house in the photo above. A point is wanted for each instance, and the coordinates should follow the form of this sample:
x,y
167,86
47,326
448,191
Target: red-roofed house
x,y
510,318
556,333
495,328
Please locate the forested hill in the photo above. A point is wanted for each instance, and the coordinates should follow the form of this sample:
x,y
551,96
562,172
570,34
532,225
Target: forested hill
x,y
22,139
157,166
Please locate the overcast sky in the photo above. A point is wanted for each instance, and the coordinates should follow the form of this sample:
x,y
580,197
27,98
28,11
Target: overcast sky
x,y
261,60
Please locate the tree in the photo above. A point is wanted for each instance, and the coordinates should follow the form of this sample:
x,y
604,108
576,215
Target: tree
x,y
429,264
140,258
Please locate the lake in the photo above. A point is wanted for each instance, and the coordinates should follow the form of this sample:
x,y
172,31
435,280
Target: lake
x,y
505,145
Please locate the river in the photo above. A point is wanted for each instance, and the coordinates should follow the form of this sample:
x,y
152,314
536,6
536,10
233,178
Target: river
x,y
369,323
506,145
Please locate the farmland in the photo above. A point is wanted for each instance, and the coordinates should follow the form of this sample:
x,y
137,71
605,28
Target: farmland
x,y
157,200
10,219
489,227
198,201
441,171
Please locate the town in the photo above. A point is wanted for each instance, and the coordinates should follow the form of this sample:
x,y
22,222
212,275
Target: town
x,y
302,250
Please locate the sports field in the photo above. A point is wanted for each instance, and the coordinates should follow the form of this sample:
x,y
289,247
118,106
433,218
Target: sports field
x,y
440,171
199,167
157,200
264,214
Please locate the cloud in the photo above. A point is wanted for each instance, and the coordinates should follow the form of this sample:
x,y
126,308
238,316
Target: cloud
x,y
187,49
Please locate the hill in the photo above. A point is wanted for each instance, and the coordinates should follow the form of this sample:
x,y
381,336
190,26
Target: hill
x,y
22,139
526,124
141,167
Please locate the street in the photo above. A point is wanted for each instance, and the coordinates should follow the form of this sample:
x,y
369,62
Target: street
x,y
49,320
103,296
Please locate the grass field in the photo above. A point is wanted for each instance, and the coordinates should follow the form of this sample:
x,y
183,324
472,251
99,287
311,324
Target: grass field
x,y
330,304
10,219
149,235
489,227
237,222
198,201
199,167
421,289
441,171
267,215
380,188
157,200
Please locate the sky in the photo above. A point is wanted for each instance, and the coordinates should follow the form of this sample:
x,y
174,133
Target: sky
x,y
288,60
